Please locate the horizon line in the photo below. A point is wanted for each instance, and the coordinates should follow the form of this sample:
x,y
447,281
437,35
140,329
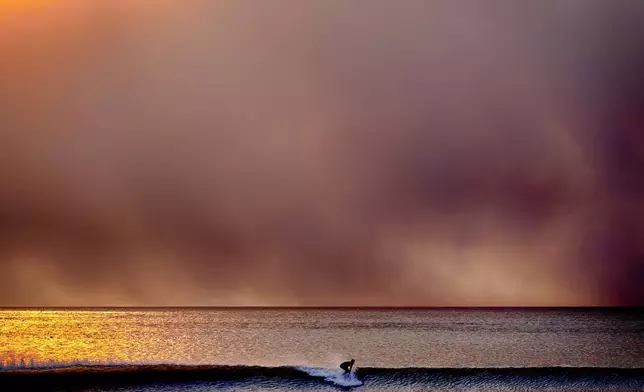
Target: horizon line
x,y
334,307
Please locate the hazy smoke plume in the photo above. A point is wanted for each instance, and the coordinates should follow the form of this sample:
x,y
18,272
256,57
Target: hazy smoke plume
x,y
322,152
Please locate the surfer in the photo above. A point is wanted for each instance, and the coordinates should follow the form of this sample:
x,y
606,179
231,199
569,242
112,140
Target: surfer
x,y
347,366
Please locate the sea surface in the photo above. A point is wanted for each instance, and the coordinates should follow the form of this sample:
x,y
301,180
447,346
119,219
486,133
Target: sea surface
x,y
300,349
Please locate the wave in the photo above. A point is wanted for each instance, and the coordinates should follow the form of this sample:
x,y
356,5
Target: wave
x,y
118,375
333,376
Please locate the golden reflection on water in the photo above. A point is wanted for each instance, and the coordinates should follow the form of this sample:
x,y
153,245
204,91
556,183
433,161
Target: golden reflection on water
x,y
419,338
66,336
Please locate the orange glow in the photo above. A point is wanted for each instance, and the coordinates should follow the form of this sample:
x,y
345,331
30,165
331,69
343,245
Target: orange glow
x,y
46,337
22,5
62,336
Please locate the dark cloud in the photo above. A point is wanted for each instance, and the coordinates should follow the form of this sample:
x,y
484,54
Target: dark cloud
x,y
242,152
617,125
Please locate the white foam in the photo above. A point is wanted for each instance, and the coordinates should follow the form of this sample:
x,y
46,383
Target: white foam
x,y
337,377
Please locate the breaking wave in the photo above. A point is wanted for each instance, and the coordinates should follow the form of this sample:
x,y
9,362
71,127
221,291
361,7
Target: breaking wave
x,y
91,375
337,377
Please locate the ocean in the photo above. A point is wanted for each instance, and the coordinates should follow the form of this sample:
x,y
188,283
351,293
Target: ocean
x,y
204,349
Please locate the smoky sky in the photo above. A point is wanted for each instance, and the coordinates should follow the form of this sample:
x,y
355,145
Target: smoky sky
x,y
247,152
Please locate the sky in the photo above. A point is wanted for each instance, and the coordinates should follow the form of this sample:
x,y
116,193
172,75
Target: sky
x,y
321,153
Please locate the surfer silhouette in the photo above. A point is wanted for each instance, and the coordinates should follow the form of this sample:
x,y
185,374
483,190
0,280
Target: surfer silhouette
x,y
347,366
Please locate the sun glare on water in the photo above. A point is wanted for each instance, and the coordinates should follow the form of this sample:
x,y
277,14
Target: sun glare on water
x,y
43,336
